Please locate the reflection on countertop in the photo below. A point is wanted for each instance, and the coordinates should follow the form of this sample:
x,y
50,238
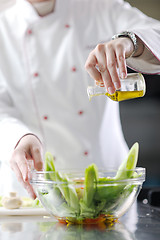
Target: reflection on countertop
x,y
143,225
98,231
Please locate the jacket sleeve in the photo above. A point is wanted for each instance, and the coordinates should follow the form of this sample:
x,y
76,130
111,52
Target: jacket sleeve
x,y
146,28
11,125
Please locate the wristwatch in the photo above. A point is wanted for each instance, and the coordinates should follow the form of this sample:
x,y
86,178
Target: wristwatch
x,y
129,35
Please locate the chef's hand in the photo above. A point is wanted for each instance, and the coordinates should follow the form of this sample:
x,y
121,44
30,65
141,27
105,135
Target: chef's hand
x,y
105,60
29,148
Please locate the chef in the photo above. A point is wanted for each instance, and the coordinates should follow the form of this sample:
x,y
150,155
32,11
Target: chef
x,y
43,81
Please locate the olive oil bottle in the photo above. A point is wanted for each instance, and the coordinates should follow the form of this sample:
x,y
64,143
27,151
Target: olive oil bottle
x,y
131,87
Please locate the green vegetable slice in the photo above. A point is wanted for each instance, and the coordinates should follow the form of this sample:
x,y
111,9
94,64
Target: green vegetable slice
x,y
114,193
124,171
68,191
90,184
49,166
49,162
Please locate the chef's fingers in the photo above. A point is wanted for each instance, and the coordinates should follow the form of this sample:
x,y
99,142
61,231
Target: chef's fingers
x,y
25,184
102,66
32,147
36,153
19,157
121,61
30,190
17,172
112,66
91,67
108,81
100,57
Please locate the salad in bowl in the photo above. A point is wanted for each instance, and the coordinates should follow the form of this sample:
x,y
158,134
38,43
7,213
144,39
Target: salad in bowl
x,y
91,196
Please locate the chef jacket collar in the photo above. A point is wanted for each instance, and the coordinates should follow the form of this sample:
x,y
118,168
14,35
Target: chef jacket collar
x,y
29,14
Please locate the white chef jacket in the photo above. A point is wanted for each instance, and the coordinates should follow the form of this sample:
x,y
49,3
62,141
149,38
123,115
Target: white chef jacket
x,y
43,81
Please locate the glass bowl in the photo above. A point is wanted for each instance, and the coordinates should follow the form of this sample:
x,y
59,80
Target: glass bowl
x,y
70,199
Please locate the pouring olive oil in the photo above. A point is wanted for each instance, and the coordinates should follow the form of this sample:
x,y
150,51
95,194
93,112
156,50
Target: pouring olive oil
x,y
131,87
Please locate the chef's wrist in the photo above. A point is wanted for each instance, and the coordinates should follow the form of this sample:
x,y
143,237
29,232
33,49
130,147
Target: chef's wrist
x,y
138,46
27,134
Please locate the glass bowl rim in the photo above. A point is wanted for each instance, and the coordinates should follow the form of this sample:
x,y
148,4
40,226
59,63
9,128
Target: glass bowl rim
x,y
78,180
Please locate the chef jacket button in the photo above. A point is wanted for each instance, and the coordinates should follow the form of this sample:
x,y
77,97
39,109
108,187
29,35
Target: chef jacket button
x,y
80,112
45,117
36,74
67,26
74,69
86,153
29,31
